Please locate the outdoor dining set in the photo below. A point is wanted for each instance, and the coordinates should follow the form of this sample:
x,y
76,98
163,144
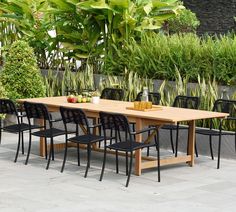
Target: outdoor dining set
x,y
112,128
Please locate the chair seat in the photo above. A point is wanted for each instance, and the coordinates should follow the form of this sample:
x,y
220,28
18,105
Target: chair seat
x,y
213,132
49,133
174,127
86,139
125,146
19,127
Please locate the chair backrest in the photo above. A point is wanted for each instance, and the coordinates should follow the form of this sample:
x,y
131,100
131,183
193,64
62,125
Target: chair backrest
x,y
191,102
119,123
75,116
107,120
226,106
154,97
36,111
112,94
7,107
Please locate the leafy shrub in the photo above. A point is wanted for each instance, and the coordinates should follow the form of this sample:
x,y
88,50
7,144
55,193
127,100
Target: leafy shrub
x,y
186,21
20,75
158,56
3,94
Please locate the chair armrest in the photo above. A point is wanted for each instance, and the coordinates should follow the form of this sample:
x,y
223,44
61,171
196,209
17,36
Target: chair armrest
x,y
95,125
56,120
144,130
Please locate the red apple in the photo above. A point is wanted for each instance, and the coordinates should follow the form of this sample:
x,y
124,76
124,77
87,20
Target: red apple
x,y
74,100
69,98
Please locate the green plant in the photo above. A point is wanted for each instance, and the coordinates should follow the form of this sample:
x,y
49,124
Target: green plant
x,y
20,75
185,22
158,56
3,94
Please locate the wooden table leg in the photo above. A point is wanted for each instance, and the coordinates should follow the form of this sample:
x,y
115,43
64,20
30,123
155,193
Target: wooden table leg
x,y
42,141
191,141
138,153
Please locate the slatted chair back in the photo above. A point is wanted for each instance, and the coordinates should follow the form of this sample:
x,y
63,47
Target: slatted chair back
x,y
226,106
7,106
190,102
75,116
112,94
154,97
37,111
122,126
119,123
107,122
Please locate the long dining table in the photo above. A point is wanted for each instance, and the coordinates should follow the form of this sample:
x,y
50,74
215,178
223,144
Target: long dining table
x,y
164,115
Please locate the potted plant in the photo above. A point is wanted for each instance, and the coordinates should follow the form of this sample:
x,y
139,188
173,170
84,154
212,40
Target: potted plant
x,y
95,97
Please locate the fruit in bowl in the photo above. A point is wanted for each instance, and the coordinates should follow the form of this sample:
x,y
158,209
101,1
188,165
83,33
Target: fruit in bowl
x,y
72,99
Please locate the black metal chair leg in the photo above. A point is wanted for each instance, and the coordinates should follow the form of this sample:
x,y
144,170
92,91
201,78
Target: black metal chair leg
x,y
117,163
126,164
130,169
22,143
234,139
64,160
0,131
46,148
78,154
50,154
196,151
18,147
177,140
103,164
158,155
171,141
211,149
148,150
52,146
88,160
29,148
219,150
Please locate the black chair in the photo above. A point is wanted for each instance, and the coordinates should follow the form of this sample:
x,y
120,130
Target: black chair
x,y
154,97
8,107
77,117
112,94
190,102
40,111
126,144
225,106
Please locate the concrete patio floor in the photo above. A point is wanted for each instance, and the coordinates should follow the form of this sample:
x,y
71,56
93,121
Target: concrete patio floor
x,y
31,188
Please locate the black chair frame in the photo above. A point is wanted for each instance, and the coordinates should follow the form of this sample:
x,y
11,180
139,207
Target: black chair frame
x,y
190,102
77,117
127,144
7,106
225,106
112,94
39,111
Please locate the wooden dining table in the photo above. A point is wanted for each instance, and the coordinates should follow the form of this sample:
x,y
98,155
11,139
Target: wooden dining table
x,y
164,115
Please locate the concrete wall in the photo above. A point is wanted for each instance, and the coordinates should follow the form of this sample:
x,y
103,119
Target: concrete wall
x,y
216,16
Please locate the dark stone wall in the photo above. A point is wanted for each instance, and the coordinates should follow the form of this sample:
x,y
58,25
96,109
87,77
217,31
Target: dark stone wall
x,y
216,16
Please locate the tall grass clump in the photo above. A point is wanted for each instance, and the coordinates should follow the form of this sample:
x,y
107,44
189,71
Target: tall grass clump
x,y
158,56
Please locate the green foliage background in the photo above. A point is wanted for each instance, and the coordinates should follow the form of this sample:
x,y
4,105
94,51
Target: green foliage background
x,y
158,56
20,75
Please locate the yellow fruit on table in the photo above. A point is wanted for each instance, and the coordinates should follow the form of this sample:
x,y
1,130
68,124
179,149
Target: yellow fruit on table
x,y
84,100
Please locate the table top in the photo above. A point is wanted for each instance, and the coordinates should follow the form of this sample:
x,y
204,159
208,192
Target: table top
x,y
167,114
